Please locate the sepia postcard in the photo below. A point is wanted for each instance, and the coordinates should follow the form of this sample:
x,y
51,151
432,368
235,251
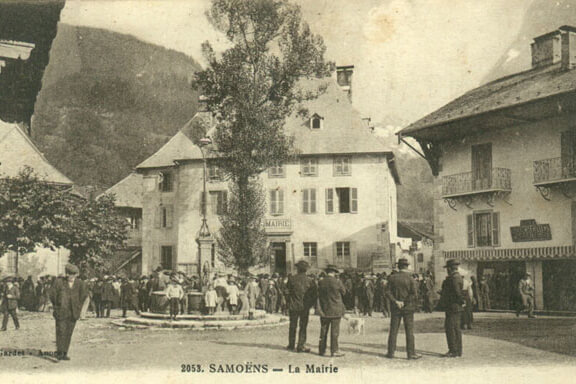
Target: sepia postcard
x,y
265,191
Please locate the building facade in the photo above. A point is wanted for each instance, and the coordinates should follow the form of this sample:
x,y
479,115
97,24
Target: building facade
x,y
503,157
335,202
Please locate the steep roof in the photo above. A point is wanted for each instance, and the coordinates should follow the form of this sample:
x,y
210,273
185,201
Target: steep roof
x,y
500,94
343,130
17,151
129,191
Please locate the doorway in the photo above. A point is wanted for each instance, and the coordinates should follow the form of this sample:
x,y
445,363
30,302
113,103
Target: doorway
x,y
279,254
502,278
481,166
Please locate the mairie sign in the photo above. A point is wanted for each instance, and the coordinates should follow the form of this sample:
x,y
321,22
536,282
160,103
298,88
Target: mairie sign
x,y
530,231
278,225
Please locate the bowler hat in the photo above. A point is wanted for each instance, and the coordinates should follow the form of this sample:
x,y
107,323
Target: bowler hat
x,y
452,263
71,269
403,261
331,268
302,264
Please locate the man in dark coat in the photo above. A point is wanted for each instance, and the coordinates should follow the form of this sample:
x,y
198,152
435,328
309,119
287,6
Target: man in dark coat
x,y
452,301
28,295
368,295
300,297
129,296
402,291
108,295
331,293
67,296
9,303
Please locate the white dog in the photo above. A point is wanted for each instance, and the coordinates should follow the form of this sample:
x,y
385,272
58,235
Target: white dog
x,y
355,324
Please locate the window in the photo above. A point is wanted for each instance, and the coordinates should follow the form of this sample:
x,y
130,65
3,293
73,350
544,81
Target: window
x,y
134,220
11,262
214,173
343,253
276,171
347,200
311,253
316,121
166,182
342,166
420,257
481,166
166,257
309,167
164,217
276,202
483,229
309,200
219,202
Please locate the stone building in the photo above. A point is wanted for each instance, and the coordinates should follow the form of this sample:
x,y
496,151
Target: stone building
x,y
503,157
334,203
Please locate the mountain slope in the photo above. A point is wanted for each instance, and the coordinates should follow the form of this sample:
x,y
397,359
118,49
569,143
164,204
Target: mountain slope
x,y
109,101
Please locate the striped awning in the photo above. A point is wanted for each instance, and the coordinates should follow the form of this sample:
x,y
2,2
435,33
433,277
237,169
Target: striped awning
x,y
558,252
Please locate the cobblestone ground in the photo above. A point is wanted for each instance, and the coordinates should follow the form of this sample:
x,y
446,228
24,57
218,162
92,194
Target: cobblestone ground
x,y
497,340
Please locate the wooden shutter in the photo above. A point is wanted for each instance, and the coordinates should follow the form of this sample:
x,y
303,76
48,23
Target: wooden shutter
x,y
337,166
305,201
169,216
353,258
224,202
567,141
312,199
353,200
496,229
280,201
329,200
273,204
335,253
470,226
158,217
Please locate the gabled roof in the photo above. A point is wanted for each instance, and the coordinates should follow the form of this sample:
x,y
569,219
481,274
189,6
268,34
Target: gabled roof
x,y
128,191
18,151
343,130
507,92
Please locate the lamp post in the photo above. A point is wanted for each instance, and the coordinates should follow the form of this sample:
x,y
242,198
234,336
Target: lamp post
x,y
204,230
204,239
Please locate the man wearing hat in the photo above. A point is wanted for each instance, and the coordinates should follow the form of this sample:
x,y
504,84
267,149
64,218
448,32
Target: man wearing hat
x,y
67,297
452,302
526,291
9,303
331,293
402,291
300,297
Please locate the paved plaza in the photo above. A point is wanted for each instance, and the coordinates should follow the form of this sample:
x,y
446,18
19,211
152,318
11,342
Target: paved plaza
x,y
497,340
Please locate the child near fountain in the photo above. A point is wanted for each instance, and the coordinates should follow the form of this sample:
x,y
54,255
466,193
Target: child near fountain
x,y
210,299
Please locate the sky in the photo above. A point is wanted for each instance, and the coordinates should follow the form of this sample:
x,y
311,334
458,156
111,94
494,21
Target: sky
x,y
410,56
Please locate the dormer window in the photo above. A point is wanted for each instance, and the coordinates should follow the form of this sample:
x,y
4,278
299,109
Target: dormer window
x,y
316,121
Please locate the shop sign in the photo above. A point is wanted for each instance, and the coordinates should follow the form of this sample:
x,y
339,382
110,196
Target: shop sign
x,y
529,230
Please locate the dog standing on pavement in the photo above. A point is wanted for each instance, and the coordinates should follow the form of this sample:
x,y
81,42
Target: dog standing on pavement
x,y
355,325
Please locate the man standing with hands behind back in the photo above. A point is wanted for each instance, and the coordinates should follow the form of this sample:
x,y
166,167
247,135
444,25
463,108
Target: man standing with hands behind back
x,y
402,291
300,296
67,297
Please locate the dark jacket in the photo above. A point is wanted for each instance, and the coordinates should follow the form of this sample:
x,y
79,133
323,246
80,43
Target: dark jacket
x,y
331,292
300,293
108,292
451,298
68,301
402,287
10,303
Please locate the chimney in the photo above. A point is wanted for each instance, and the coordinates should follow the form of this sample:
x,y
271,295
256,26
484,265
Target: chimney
x,y
344,78
555,47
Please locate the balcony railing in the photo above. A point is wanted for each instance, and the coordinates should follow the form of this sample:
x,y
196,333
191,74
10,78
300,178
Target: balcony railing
x,y
554,170
462,184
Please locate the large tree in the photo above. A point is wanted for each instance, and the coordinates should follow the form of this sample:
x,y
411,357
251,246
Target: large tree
x,y
251,88
35,213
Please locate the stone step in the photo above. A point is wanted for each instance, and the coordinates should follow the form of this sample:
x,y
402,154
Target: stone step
x,y
258,314
140,322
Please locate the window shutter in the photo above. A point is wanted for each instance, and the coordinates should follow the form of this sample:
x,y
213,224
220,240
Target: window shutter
x,y
337,166
158,217
280,201
470,220
329,200
224,202
312,200
354,200
272,202
305,206
496,229
169,216
353,258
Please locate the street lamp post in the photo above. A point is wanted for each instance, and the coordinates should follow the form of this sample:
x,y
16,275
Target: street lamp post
x,y
204,239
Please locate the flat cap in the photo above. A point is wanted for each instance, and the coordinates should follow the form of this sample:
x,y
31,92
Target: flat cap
x,y
71,269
